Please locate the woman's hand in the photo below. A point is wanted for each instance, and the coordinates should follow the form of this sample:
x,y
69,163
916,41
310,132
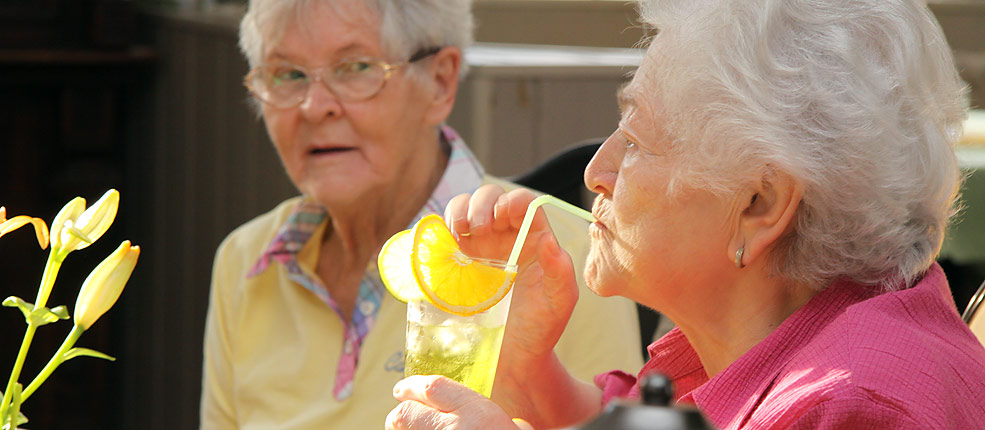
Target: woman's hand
x,y
545,290
436,402
530,381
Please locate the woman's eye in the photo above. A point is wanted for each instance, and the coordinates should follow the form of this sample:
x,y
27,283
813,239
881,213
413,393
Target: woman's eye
x,y
630,145
282,76
354,68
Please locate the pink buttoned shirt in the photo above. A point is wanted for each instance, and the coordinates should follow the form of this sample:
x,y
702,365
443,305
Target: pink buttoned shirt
x,y
851,358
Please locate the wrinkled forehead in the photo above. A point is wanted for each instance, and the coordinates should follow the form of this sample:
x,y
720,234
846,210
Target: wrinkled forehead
x,y
641,92
304,16
641,99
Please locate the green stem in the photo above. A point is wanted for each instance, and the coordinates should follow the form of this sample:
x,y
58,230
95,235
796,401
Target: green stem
x,y
18,365
47,280
56,360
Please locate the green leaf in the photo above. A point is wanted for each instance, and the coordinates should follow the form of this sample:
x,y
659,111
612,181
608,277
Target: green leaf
x,y
15,406
17,302
21,419
42,316
61,312
76,352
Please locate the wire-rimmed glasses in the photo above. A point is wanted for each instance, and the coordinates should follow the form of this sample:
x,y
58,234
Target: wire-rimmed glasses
x,y
285,85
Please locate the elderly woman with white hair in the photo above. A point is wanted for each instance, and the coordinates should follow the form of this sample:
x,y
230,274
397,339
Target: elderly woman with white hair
x,y
354,95
778,186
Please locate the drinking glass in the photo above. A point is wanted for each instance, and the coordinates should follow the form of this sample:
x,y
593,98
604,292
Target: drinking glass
x,y
467,348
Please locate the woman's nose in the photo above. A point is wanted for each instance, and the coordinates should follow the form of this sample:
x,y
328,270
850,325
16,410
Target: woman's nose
x,y
601,172
320,102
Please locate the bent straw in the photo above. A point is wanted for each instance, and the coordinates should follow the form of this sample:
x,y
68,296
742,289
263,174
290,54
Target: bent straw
x,y
528,218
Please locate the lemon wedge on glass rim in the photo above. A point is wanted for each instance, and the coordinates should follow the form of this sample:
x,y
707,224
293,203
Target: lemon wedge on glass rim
x,y
441,272
394,265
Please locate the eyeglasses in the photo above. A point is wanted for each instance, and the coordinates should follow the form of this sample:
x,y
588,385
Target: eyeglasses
x,y
285,85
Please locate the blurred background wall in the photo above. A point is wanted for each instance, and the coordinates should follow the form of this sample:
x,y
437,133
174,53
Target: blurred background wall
x,y
147,98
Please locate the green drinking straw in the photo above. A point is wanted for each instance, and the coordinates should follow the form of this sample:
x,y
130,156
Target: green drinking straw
x,y
528,218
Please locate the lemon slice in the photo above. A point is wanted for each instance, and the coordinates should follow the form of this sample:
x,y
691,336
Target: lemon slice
x,y
395,270
451,280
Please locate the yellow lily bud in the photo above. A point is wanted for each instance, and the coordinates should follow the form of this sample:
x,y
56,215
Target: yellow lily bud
x,y
103,286
70,211
73,225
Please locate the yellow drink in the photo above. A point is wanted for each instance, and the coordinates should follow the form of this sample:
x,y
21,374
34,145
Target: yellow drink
x,y
464,352
463,348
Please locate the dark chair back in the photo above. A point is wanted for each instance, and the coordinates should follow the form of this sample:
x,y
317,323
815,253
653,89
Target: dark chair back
x,y
562,175
974,304
974,314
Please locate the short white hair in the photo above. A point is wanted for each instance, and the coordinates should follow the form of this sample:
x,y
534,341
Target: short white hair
x,y
406,26
857,100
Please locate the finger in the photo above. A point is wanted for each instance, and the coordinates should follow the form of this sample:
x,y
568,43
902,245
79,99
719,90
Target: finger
x,y
518,202
412,414
501,216
481,208
456,213
436,391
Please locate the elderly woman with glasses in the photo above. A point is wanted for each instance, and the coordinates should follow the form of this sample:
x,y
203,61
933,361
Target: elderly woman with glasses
x,y
778,186
300,332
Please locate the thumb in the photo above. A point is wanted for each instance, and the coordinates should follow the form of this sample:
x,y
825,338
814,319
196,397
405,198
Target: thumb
x,y
558,272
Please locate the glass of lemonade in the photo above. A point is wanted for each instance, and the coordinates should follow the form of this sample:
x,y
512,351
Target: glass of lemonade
x,y
463,348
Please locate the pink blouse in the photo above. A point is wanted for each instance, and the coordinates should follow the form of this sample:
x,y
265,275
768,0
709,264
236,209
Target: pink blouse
x,y
850,358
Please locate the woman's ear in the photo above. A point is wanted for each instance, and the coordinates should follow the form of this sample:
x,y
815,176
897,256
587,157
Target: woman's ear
x,y
443,72
767,216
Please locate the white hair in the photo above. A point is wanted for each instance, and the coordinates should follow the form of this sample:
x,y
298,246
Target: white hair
x,y
406,26
857,100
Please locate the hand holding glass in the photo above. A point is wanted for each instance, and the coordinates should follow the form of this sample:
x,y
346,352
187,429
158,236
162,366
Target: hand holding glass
x,y
466,348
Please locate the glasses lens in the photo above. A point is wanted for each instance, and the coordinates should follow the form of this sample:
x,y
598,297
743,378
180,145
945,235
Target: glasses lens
x,y
281,85
357,79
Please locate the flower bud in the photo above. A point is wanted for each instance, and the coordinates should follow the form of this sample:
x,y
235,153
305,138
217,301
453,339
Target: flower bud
x,y
103,286
72,224
70,211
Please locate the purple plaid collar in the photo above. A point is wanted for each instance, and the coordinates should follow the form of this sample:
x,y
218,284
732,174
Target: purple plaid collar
x,y
462,175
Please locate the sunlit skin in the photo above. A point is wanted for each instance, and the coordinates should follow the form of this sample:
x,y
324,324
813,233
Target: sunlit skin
x,y
371,163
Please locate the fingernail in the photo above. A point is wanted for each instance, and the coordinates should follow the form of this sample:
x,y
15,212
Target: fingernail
x,y
500,208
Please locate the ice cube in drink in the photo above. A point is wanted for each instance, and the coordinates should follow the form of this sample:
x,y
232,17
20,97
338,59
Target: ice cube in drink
x,y
465,349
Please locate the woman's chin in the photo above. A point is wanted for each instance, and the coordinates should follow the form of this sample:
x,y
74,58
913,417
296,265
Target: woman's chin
x,y
340,197
596,278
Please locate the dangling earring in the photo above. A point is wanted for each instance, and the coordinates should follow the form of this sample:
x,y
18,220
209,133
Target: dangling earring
x,y
738,257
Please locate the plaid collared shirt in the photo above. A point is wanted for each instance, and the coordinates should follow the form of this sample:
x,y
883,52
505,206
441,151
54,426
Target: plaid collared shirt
x,y
462,175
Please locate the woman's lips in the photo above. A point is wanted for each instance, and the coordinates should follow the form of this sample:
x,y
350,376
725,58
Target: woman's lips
x,y
597,228
330,150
